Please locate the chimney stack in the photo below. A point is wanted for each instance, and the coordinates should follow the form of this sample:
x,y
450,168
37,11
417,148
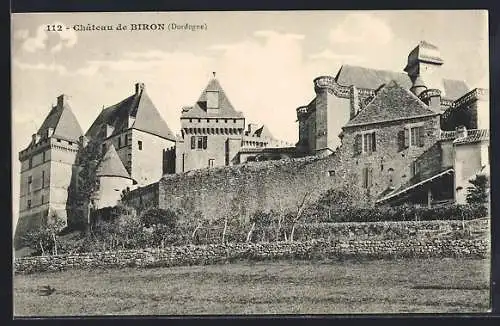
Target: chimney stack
x,y
62,100
461,132
139,87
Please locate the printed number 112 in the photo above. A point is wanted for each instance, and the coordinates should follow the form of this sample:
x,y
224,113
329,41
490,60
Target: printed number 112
x,y
54,28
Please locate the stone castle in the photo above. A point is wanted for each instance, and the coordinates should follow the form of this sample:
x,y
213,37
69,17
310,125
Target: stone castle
x,y
410,137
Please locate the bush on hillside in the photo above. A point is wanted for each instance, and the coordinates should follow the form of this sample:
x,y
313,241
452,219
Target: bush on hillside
x,y
158,216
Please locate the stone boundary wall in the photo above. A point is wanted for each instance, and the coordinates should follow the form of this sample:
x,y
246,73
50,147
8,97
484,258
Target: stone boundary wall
x,y
243,189
220,253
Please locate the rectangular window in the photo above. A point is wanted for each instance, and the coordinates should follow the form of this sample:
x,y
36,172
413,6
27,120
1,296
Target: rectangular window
x,y
43,179
119,141
211,163
43,157
43,199
30,163
367,177
103,149
415,168
368,144
193,142
139,144
126,140
199,142
29,203
414,136
30,183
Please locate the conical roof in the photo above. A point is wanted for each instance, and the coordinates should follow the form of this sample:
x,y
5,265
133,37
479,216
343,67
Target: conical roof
x,y
111,165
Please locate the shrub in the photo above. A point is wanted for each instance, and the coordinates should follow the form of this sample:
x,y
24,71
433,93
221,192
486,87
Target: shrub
x,y
477,193
157,216
403,213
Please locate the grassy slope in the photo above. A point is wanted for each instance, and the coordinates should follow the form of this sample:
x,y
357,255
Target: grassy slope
x,y
435,285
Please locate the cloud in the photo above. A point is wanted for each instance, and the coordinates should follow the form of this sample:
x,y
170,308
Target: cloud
x,y
32,44
21,34
274,34
266,77
328,54
65,38
53,67
362,28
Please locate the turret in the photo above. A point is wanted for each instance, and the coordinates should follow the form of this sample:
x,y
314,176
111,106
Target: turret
x,y
423,62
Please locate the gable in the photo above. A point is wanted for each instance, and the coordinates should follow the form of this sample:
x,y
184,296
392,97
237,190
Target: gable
x,y
225,110
392,102
141,108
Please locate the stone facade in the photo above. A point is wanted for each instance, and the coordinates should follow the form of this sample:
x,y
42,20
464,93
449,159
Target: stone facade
x,y
213,133
46,169
389,137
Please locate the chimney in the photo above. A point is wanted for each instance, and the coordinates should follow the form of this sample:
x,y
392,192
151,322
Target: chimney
x,y
461,132
139,87
251,128
50,132
62,100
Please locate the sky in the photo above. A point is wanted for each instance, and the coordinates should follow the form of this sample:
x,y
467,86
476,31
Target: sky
x,y
265,61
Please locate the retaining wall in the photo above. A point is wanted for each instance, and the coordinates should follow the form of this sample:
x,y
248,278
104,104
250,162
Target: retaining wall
x,y
213,254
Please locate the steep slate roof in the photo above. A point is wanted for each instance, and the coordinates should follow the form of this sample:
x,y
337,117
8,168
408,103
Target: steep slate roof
x,y
392,102
226,109
362,77
138,106
111,165
64,123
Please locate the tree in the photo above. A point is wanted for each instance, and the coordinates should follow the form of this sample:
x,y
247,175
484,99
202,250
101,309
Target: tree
x,y
83,190
478,192
259,219
44,237
299,214
156,216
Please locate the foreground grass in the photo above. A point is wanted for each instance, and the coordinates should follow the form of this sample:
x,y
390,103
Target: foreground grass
x,y
285,287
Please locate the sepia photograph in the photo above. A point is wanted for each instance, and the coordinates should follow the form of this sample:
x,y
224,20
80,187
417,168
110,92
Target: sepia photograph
x,y
250,163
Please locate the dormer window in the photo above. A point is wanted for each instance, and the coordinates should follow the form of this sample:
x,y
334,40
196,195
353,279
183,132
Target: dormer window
x,y
109,130
212,99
